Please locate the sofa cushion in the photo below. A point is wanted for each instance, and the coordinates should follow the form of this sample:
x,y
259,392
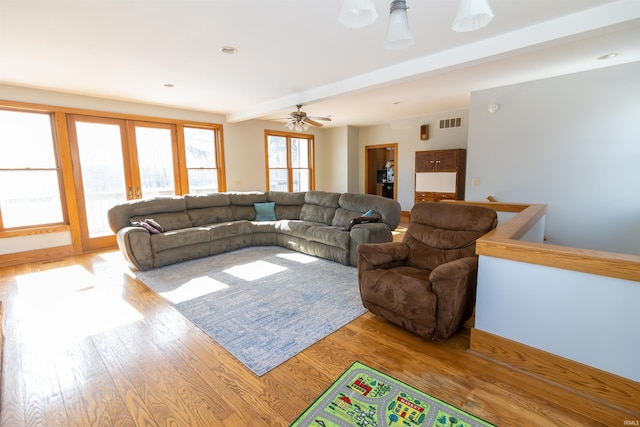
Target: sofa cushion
x,y
388,209
331,236
179,238
210,215
229,229
319,206
343,217
242,204
288,205
265,211
199,201
120,215
168,221
295,228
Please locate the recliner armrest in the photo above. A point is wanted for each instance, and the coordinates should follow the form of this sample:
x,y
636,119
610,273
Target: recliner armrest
x,y
382,255
453,270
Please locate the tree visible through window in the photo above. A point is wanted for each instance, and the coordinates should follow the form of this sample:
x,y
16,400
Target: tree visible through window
x,y
30,192
289,161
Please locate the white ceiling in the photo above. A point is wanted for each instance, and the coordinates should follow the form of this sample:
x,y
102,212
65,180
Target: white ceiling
x,y
296,52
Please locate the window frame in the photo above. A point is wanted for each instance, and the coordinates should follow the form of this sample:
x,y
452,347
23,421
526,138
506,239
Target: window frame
x,y
218,152
64,156
311,157
55,141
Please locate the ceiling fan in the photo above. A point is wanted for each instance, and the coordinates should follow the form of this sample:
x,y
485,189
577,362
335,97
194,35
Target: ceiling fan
x,y
298,120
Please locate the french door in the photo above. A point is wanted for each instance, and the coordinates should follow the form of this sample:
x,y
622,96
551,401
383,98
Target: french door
x,y
116,160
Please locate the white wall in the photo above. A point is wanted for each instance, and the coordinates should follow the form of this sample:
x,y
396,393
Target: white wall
x,y
587,318
407,136
571,142
332,160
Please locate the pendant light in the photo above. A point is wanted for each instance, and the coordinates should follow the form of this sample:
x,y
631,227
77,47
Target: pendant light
x,y
472,15
358,13
398,33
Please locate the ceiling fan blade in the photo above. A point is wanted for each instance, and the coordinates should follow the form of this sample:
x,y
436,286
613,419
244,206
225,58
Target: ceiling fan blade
x,y
313,122
326,119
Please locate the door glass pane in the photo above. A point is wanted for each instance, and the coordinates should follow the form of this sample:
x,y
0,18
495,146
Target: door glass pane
x,y
278,180
100,149
155,160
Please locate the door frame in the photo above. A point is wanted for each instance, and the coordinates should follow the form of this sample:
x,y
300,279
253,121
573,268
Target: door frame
x,y
368,149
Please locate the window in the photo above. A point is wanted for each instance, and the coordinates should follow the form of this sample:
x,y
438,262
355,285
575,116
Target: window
x,y
30,192
201,148
289,161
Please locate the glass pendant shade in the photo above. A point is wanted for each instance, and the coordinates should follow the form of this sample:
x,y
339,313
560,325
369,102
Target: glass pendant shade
x,y
472,15
398,33
358,13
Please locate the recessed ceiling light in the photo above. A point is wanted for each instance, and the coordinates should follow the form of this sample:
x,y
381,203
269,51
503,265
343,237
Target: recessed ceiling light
x,y
168,85
608,56
229,50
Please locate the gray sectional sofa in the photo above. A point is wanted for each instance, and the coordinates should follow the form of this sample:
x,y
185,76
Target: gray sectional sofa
x,y
195,226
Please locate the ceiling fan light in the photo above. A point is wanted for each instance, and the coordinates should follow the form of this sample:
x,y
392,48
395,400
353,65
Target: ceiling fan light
x,y
358,13
289,125
305,126
472,15
398,33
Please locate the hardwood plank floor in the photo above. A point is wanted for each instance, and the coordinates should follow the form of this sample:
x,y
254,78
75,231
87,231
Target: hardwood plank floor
x,y
86,344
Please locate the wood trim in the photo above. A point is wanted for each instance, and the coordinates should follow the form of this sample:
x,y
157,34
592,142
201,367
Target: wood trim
x,y
503,243
620,266
67,178
33,231
606,388
221,167
311,156
26,106
36,255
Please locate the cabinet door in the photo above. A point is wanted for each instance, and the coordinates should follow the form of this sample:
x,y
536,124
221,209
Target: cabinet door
x,y
447,161
425,161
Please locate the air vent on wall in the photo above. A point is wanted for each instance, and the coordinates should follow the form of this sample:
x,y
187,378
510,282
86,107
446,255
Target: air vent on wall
x,y
451,123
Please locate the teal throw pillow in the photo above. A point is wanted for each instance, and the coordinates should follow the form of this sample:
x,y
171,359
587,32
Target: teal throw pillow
x,y
369,213
265,211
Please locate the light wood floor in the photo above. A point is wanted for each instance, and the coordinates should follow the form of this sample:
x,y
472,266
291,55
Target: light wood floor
x,y
86,344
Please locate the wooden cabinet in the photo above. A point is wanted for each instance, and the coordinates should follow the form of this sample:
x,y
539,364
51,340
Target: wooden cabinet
x,y
440,160
440,175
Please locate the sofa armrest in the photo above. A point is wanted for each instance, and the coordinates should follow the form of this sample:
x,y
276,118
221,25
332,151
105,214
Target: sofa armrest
x,y
135,246
454,284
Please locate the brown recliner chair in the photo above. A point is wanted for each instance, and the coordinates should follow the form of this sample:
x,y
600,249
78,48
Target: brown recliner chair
x,y
427,283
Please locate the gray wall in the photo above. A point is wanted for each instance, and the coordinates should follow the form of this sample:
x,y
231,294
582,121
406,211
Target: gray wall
x,y
571,142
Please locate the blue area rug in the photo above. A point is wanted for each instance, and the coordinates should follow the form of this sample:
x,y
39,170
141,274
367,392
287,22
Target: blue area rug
x,y
263,304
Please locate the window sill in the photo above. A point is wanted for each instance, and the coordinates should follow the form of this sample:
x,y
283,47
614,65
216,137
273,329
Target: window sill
x,y
34,231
